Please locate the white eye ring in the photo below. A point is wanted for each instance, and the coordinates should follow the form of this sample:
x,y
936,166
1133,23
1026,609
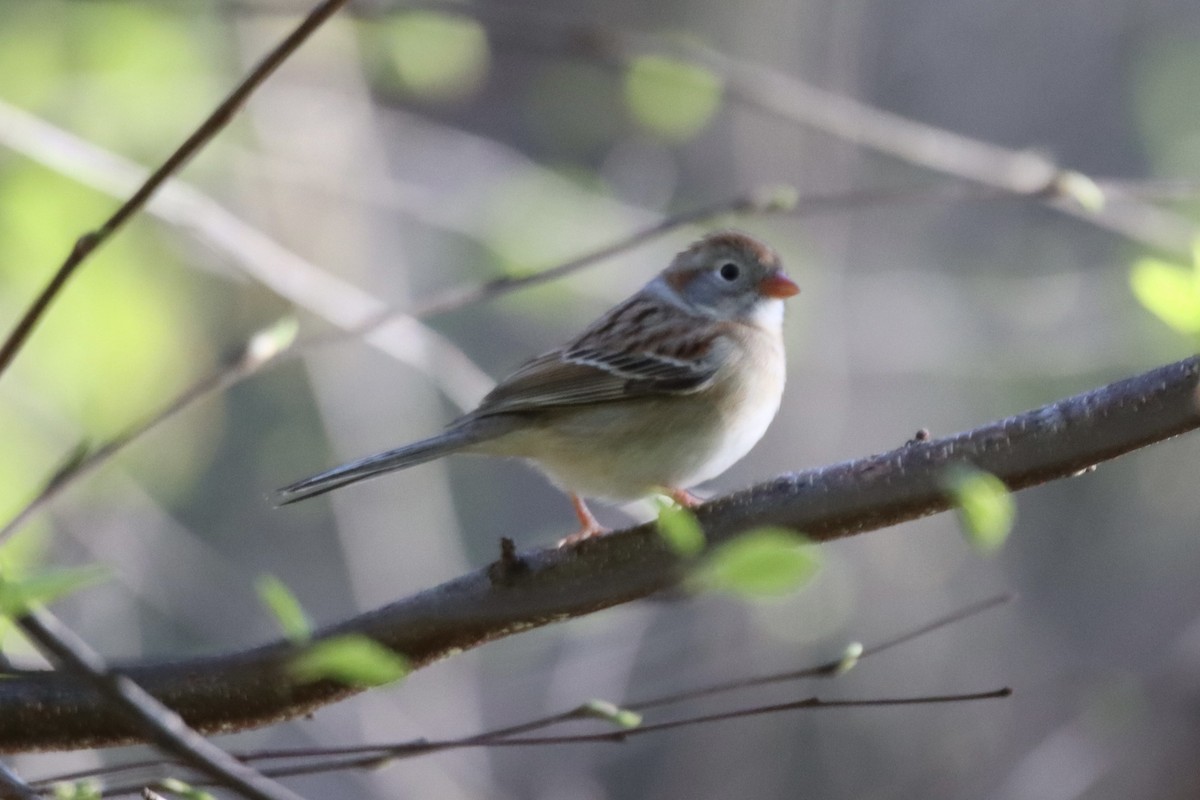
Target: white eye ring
x,y
729,271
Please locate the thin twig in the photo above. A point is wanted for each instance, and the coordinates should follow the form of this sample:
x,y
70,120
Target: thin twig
x,y
762,201
13,788
391,752
251,688
162,725
260,256
826,670
213,124
1023,173
88,461
342,304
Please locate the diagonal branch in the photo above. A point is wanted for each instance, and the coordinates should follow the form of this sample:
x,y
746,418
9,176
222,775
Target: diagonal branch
x,y
1020,173
114,773
160,724
89,242
249,688
12,787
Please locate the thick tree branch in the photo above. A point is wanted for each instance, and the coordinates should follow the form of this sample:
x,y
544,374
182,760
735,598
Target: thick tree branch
x,y
161,725
249,688
114,778
11,786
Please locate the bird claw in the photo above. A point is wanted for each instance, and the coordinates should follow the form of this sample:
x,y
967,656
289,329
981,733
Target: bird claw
x,y
582,535
590,527
686,498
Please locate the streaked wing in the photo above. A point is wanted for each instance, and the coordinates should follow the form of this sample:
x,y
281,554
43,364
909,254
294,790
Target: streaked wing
x,y
641,348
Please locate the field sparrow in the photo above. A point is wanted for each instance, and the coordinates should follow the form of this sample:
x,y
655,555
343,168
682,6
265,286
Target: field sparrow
x,y
665,391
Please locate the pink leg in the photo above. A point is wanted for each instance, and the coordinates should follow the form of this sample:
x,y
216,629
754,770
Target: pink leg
x,y
685,498
589,525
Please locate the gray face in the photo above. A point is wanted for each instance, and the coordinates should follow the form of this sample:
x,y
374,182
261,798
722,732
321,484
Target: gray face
x,y
722,275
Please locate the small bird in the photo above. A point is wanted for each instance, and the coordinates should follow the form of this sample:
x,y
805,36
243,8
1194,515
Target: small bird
x,y
664,391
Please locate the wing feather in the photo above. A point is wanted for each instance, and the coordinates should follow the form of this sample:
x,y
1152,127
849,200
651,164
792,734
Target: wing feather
x,y
620,357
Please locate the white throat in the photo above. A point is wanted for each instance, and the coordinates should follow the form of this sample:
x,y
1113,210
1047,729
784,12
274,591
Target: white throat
x,y
768,314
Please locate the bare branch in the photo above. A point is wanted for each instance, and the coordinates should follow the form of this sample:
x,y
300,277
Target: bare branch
x,y
250,688
1021,173
144,713
385,753
826,670
406,749
84,463
264,259
212,125
13,788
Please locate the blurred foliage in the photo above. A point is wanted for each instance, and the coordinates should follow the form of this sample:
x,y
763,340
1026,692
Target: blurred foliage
x,y
184,790
120,322
89,789
119,341
1170,291
533,222
1083,190
611,712
17,596
20,556
126,333
27,459
850,658
672,98
680,529
284,606
761,563
437,57
25,583
898,337
573,109
130,76
985,508
353,659
1163,75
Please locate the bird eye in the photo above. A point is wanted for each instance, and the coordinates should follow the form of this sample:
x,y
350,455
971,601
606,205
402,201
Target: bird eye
x,y
729,271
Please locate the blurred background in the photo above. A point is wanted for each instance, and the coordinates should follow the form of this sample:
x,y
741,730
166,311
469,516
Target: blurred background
x,y
406,151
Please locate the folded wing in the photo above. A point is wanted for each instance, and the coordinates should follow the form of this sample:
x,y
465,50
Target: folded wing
x,y
619,358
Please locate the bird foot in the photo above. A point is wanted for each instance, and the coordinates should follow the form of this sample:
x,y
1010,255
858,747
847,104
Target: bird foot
x,y
582,535
590,526
685,498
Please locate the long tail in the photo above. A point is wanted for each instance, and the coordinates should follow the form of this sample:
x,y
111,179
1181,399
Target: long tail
x,y
453,439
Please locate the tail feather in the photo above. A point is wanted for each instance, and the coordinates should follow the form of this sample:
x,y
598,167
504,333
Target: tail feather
x,y
409,455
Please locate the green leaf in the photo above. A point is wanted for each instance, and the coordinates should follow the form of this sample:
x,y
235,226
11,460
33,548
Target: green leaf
x,y
442,57
672,98
19,556
353,659
284,606
1083,190
79,790
184,790
764,562
850,657
774,198
610,712
18,595
273,340
21,552
679,529
985,507
1169,291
